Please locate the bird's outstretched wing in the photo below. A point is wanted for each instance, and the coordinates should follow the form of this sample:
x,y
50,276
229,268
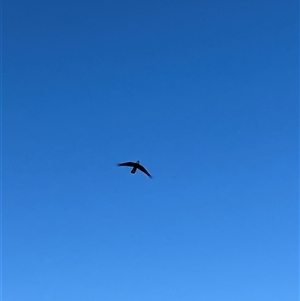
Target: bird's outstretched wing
x,y
131,164
143,169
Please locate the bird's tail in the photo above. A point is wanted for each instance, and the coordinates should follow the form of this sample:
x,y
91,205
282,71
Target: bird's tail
x,y
133,170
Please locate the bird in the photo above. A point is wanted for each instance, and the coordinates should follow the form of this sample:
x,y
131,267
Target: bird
x,y
136,165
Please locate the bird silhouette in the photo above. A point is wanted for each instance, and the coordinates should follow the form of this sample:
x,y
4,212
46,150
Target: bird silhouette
x,y
136,165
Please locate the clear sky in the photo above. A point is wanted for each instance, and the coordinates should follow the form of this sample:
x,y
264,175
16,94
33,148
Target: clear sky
x,y
206,95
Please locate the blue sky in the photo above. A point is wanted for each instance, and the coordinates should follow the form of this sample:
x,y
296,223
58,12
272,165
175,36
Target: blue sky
x,y
206,95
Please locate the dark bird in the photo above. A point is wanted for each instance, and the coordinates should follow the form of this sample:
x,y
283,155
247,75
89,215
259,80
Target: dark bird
x,y
135,166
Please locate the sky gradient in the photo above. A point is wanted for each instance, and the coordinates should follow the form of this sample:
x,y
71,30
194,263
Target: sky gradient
x,y
206,95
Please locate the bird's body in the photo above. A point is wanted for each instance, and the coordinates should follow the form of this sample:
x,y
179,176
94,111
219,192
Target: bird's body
x,y
133,170
136,165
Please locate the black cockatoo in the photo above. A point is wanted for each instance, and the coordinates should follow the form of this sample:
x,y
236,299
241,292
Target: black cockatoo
x,y
135,166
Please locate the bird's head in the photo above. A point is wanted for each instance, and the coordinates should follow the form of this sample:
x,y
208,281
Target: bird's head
x,y
137,162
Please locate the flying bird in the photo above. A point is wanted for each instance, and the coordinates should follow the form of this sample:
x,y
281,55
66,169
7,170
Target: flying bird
x,y
135,165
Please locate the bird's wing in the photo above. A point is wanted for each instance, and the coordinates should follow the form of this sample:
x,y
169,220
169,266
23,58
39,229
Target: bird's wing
x,y
131,164
143,169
